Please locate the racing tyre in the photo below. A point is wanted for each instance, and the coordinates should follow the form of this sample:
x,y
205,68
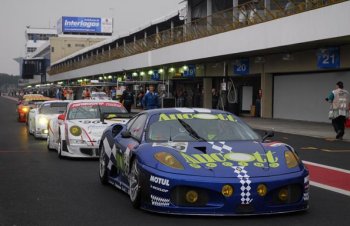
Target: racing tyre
x,y
48,144
134,185
59,149
103,166
28,130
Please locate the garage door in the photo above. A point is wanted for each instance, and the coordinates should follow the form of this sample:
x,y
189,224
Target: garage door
x,y
301,96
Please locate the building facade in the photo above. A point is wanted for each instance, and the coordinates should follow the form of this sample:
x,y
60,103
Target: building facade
x,y
282,59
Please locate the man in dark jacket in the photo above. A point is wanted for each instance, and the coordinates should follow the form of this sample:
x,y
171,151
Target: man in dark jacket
x,y
127,99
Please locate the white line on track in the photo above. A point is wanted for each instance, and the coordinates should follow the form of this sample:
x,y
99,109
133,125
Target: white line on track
x,y
327,167
334,189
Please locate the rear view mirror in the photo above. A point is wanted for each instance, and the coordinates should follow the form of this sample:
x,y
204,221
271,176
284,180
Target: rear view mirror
x,y
268,134
61,117
126,134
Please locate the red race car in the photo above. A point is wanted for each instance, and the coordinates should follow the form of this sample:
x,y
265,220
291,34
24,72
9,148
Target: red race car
x,y
28,102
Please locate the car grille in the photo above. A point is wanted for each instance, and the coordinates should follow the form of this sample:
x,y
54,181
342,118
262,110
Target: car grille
x,y
245,209
295,193
178,196
87,151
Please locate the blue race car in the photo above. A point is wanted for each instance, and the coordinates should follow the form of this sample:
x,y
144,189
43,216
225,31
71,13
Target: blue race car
x,y
201,162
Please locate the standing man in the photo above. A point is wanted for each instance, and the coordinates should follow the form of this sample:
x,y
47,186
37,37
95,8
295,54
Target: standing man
x,y
150,100
214,99
113,93
127,99
339,99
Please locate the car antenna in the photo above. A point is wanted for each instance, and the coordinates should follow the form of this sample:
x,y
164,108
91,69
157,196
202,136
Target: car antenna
x,y
170,135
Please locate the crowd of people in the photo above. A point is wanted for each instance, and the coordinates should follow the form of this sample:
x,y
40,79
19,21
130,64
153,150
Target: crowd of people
x,y
150,99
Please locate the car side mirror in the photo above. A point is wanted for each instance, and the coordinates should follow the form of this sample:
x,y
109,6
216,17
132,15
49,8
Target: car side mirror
x,y
61,117
126,134
267,135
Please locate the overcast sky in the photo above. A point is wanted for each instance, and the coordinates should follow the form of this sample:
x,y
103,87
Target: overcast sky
x,y
15,15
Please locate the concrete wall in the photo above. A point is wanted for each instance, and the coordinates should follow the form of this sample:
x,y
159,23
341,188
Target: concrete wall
x,y
62,49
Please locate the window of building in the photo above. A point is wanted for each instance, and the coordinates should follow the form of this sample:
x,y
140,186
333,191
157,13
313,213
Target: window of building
x,y
68,45
31,49
79,45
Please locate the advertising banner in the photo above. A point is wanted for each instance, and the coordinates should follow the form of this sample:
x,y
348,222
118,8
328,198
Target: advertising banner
x,y
85,25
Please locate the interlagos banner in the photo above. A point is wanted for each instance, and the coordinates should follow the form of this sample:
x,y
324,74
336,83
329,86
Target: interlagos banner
x,y
85,25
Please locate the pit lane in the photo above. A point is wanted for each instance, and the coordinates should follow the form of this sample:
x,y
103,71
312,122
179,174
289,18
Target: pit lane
x,y
39,189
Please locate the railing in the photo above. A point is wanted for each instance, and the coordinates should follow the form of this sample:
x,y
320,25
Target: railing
x,y
247,14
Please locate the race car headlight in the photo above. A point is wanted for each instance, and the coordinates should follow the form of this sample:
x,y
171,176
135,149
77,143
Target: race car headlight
x,y
168,160
261,190
25,109
191,196
291,159
75,130
283,194
227,190
43,121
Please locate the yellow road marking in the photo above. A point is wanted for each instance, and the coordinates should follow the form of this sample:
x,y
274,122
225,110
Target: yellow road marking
x,y
327,150
308,148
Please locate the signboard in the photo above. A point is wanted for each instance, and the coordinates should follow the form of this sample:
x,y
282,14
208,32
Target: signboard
x,y
328,58
241,67
190,72
155,76
85,25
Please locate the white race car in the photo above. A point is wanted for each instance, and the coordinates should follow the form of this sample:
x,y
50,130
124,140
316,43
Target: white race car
x,y
99,96
39,117
77,133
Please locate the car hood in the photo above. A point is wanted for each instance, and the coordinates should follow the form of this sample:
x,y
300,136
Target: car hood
x,y
221,159
47,116
92,129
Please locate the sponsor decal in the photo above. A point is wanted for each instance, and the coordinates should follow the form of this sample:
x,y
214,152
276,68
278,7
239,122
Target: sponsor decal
x,y
90,121
106,104
179,146
159,180
159,189
229,159
158,201
306,188
204,116
96,127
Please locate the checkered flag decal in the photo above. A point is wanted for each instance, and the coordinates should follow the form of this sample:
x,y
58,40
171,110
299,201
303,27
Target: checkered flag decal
x,y
221,147
109,153
243,178
158,201
242,174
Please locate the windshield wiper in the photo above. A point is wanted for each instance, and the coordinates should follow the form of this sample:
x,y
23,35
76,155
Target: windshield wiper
x,y
191,131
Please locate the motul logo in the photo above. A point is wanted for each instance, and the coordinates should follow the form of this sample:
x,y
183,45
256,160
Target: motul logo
x,y
159,180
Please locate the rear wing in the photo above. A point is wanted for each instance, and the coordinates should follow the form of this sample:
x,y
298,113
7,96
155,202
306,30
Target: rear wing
x,y
113,115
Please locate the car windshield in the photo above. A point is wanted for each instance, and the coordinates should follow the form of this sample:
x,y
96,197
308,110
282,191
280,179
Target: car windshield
x,y
99,95
93,110
198,127
53,108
